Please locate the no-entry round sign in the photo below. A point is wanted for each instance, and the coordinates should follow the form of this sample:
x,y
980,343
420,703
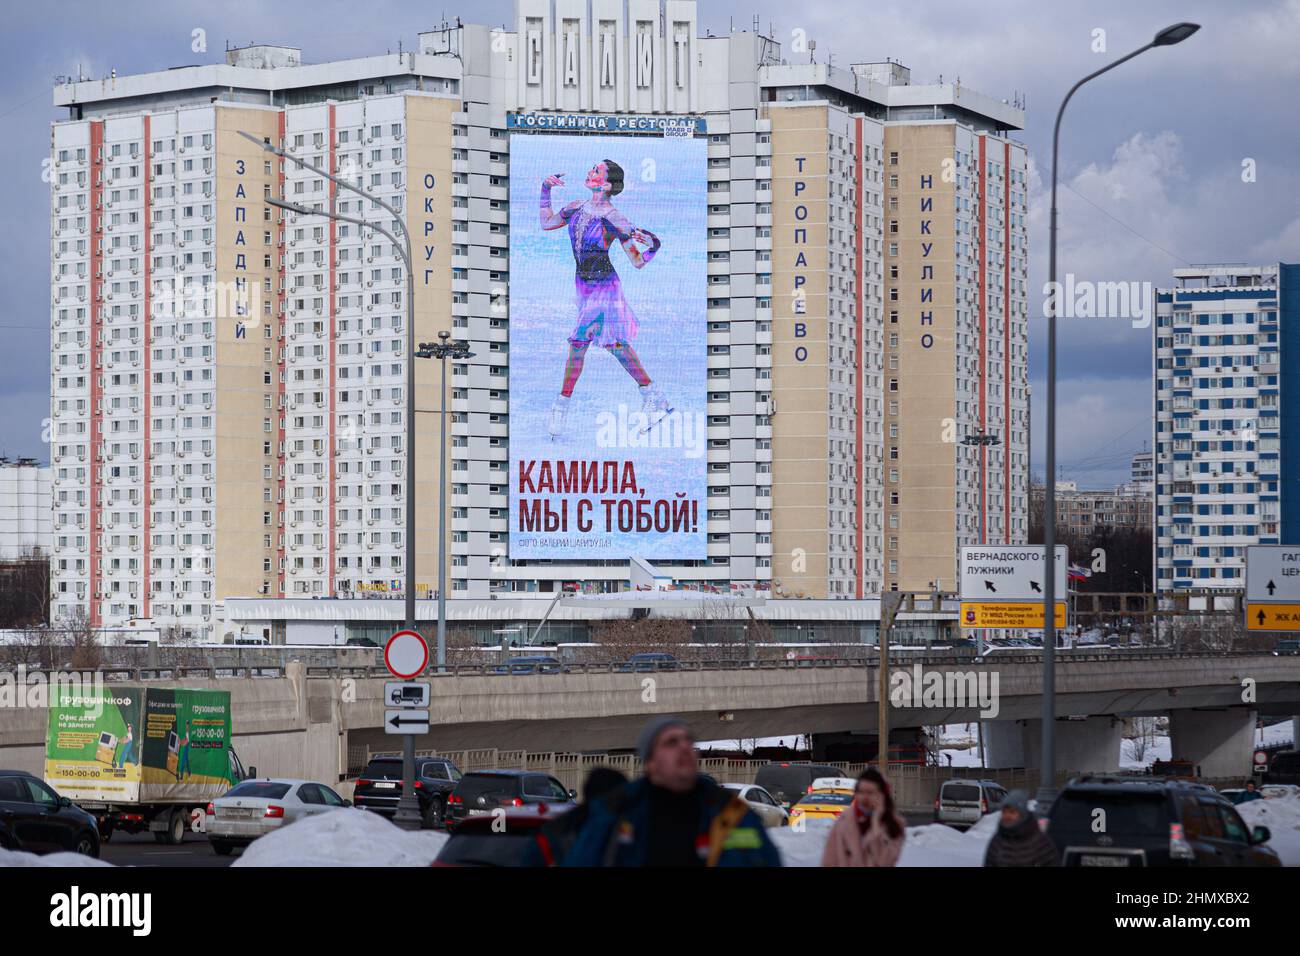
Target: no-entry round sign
x,y
406,654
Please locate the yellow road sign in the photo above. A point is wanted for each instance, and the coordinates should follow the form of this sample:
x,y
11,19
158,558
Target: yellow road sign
x,y
1273,617
986,614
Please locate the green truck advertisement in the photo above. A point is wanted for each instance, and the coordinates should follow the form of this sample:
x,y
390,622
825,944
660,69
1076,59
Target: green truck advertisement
x,y
140,745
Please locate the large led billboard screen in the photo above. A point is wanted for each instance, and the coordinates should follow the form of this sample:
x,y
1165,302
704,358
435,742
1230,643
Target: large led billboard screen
x,y
608,346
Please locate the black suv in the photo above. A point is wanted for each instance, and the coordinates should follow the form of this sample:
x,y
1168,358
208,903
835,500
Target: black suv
x,y
1119,821
36,819
380,787
482,791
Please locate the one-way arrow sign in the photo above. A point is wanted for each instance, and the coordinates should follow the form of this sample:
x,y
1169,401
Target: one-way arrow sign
x,y
406,722
1272,574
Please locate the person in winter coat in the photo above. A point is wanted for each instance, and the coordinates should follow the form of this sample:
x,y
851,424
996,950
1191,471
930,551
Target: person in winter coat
x,y
1019,840
870,831
554,839
673,816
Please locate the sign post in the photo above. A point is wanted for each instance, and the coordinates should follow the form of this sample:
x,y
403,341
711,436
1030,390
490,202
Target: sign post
x,y
405,655
1273,588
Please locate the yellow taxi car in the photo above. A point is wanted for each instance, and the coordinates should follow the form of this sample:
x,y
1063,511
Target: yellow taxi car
x,y
821,805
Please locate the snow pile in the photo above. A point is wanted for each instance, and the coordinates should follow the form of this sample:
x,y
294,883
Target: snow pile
x,y
21,858
346,837
933,844
802,846
1282,817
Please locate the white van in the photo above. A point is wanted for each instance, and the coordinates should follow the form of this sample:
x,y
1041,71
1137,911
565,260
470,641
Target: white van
x,y
961,803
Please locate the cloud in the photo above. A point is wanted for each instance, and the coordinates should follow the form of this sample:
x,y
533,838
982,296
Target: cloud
x,y
1100,423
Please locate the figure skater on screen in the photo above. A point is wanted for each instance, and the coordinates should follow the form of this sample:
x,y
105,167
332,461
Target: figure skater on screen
x,y
604,317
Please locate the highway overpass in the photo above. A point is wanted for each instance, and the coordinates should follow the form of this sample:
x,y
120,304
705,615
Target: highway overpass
x,y
303,721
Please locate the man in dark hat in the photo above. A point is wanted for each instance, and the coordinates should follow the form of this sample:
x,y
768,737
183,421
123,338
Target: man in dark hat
x,y
673,816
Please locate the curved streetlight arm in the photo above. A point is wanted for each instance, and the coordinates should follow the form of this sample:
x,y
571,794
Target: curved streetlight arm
x,y
283,154
401,245
1060,113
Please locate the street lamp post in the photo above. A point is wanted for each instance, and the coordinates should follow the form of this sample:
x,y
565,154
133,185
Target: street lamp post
x,y
1047,783
442,350
408,806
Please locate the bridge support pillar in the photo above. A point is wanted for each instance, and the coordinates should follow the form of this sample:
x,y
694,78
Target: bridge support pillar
x,y
1004,743
1218,742
1091,745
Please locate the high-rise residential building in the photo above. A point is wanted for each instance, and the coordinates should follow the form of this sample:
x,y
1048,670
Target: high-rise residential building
x,y
228,380
956,336
1142,472
1223,402
26,525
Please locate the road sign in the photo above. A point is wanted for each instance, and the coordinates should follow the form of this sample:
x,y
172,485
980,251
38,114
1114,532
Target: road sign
x,y
1272,574
406,654
406,723
1009,574
406,693
1273,617
1010,615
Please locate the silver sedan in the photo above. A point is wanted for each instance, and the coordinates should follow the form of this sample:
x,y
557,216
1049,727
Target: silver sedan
x,y
255,808
761,802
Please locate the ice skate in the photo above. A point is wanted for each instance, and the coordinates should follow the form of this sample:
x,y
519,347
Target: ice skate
x,y
654,406
555,418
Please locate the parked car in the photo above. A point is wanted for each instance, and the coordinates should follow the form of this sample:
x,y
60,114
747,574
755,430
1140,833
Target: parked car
x,y
820,805
791,782
1177,769
1150,822
380,787
761,802
254,808
647,662
34,818
530,665
480,792
961,803
1283,768
360,642
477,842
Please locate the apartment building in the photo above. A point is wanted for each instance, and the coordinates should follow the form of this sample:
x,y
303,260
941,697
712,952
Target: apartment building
x,y
1224,396
228,381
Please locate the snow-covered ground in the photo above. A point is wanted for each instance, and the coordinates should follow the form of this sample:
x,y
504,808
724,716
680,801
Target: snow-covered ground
x,y
1282,817
18,858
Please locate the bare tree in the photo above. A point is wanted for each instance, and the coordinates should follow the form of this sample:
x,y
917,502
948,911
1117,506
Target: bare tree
x,y
620,638
1143,738
85,653
25,591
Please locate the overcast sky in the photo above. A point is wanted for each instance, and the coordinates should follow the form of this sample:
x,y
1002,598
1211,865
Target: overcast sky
x,y
1151,154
